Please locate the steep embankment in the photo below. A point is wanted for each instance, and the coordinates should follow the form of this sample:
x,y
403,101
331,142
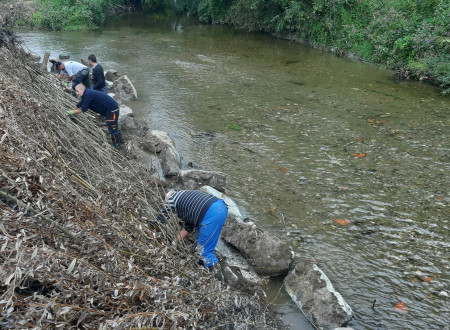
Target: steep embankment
x,y
78,243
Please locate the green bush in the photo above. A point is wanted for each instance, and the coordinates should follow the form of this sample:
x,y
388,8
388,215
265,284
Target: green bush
x,y
73,14
213,11
439,68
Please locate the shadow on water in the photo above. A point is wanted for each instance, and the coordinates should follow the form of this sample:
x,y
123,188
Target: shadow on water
x,y
320,139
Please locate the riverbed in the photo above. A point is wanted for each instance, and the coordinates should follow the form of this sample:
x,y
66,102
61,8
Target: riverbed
x,y
341,160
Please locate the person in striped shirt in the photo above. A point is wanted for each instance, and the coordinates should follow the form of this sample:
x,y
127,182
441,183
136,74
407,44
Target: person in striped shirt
x,y
198,210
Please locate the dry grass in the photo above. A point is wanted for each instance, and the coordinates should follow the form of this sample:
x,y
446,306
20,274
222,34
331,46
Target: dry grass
x,y
79,244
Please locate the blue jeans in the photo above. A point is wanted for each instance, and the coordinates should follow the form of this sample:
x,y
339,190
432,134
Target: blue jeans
x,y
209,231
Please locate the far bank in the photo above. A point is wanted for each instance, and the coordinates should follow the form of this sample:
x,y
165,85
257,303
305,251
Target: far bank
x,y
405,36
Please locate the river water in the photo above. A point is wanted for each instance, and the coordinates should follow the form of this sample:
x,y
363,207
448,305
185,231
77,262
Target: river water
x,y
338,158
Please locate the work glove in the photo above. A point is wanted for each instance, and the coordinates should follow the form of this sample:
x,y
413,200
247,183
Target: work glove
x,y
66,83
70,113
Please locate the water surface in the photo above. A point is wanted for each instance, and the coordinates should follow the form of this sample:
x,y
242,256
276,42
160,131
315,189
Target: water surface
x,y
305,138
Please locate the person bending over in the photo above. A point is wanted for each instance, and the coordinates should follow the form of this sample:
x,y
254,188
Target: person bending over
x,y
201,211
102,104
77,72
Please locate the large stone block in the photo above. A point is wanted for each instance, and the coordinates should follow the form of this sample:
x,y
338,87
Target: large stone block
x,y
195,179
267,254
316,297
111,75
124,89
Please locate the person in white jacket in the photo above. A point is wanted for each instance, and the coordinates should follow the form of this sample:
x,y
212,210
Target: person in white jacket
x,y
77,72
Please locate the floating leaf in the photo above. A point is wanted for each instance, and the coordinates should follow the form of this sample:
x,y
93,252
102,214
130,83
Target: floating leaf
x,y
284,169
427,279
381,122
401,307
342,222
358,154
272,209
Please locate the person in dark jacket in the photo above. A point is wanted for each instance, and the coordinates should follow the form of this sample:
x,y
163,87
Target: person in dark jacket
x,y
102,104
98,75
198,210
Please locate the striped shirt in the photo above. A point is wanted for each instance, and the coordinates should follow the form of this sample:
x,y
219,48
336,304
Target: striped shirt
x,y
189,205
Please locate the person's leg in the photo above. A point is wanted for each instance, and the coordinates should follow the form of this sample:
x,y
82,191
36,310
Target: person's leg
x,y
112,119
209,231
76,80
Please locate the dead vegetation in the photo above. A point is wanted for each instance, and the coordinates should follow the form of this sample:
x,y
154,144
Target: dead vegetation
x,y
79,244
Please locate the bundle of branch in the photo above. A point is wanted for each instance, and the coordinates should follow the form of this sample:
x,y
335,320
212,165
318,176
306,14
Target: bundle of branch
x,y
79,243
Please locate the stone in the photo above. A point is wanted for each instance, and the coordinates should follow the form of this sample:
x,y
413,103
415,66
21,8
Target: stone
x,y
110,85
111,75
229,275
161,143
124,89
170,161
124,111
194,179
316,297
233,209
266,253
84,62
33,56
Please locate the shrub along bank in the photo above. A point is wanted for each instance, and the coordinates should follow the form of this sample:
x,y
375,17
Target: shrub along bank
x,y
410,36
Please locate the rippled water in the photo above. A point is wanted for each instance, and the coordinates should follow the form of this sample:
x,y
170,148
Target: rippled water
x,y
305,139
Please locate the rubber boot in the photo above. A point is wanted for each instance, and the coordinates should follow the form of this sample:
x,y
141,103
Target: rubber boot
x,y
119,137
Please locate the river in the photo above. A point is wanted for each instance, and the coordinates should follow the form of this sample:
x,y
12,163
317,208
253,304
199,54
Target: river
x,y
341,160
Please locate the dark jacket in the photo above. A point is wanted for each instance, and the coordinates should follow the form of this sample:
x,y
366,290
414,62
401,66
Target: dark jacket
x,y
97,101
98,77
189,205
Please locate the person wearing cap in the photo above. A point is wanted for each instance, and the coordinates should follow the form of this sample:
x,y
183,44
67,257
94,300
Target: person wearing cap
x,y
102,104
98,75
199,211
77,72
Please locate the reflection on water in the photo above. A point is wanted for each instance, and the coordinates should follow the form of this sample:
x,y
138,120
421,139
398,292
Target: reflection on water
x,y
305,139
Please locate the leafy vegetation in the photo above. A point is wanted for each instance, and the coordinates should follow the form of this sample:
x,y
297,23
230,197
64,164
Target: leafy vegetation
x,y
73,14
407,35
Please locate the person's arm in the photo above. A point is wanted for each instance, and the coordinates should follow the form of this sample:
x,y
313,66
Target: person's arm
x,y
75,111
165,213
183,234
